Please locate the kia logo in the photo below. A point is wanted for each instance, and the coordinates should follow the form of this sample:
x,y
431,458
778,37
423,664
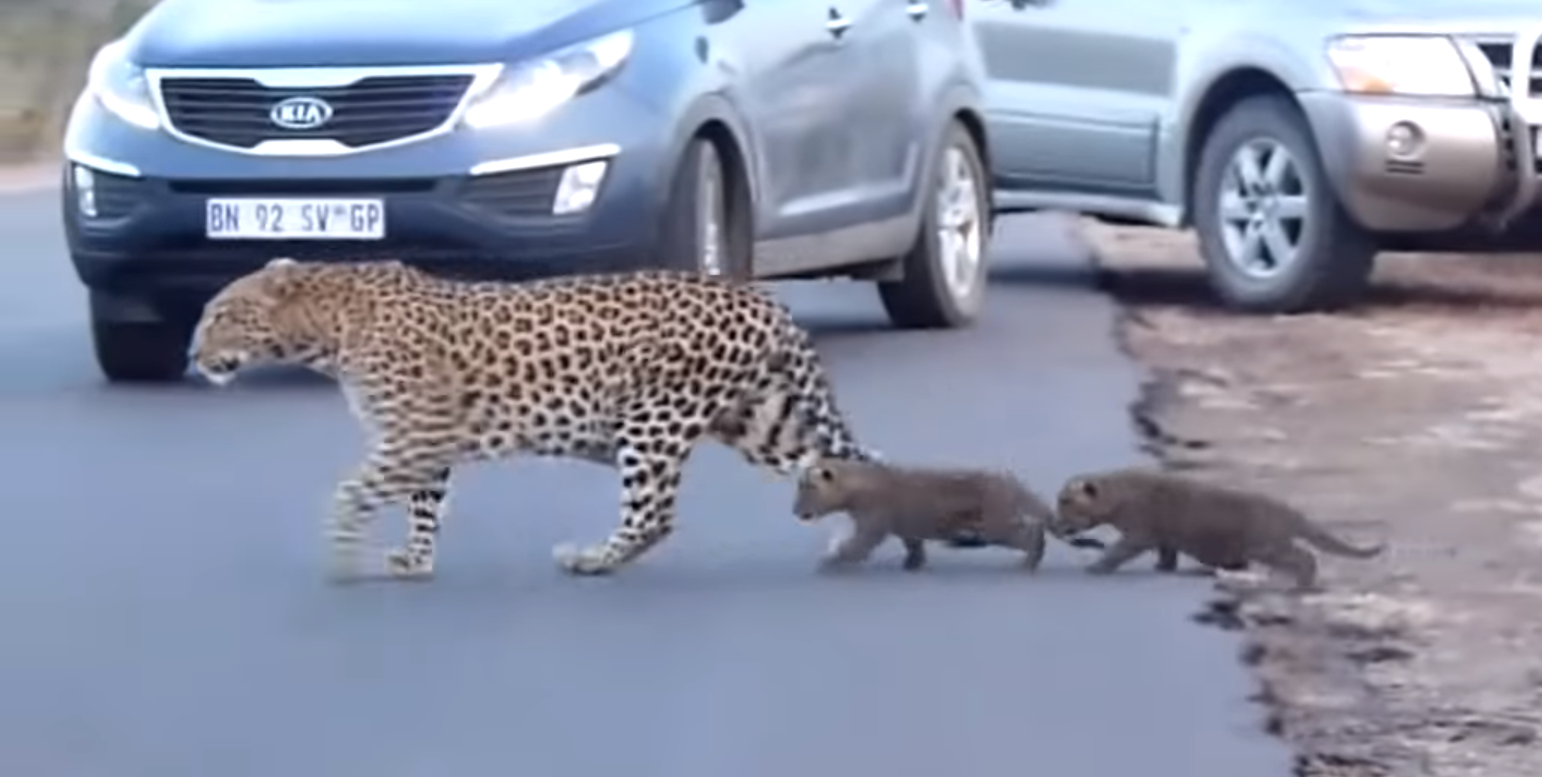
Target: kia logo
x,y
300,113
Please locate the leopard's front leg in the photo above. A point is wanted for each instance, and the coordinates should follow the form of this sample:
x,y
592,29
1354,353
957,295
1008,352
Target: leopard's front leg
x,y
426,508
384,478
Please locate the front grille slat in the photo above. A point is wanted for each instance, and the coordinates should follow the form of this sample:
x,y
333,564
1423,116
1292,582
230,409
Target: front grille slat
x,y
523,194
116,196
1497,52
233,111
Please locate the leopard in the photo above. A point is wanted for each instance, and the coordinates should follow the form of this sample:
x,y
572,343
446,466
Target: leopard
x,y
630,370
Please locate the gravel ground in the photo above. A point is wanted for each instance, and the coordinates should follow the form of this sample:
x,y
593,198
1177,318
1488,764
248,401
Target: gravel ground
x,y
1415,419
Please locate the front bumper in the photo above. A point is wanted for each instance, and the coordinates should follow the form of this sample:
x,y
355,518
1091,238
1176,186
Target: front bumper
x,y
470,204
1473,165
1457,169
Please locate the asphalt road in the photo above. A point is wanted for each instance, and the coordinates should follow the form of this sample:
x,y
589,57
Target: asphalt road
x,y
163,612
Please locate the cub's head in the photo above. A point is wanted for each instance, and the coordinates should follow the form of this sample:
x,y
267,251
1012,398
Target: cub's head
x,y
826,487
246,323
1085,501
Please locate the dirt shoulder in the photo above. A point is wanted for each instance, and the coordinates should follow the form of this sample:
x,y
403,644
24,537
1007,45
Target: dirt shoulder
x,y
1416,419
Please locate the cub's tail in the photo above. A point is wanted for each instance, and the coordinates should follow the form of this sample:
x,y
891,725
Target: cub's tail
x,y
1323,540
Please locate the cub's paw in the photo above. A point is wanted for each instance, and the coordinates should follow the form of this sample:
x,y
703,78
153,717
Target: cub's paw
x,y
583,562
400,565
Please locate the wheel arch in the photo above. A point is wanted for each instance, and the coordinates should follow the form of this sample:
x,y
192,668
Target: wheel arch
x,y
973,122
1223,93
959,103
715,119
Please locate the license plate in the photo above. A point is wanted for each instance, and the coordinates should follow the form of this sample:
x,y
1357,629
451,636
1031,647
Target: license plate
x,y
294,219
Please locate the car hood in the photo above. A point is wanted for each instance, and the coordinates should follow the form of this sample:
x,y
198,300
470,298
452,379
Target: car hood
x,y
313,33
1446,16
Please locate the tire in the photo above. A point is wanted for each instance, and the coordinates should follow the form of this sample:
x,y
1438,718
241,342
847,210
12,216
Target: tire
x,y
702,231
141,352
1330,259
926,297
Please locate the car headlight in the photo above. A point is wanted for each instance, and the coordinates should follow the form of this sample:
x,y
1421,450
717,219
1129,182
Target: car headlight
x,y
120,86
1416,65
529,90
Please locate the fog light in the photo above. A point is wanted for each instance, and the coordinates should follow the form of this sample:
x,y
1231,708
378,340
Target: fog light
x,y
1405,140
580,185
85,190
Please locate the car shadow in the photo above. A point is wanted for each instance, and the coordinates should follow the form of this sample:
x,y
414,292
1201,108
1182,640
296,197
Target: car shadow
x,y
1045,276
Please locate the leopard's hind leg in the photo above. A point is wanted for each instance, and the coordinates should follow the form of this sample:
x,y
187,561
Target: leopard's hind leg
x,y
652,445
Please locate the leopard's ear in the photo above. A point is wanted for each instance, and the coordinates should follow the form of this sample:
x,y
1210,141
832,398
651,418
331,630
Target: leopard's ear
x,y
280,278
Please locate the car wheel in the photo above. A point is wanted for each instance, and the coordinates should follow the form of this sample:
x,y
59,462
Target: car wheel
x,y
141,352
945,272
698,232
1273,233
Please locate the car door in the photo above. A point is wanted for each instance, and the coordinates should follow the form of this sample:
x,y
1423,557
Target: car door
x,y
1076,89
877,146
792,93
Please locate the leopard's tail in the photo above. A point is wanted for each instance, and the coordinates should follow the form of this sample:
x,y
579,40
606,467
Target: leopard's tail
x,y
811,392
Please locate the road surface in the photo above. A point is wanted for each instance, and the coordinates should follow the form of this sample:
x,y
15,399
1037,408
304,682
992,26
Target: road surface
x,y
165,615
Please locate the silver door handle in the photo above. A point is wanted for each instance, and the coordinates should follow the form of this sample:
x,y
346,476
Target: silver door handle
x,y
837,25
917,10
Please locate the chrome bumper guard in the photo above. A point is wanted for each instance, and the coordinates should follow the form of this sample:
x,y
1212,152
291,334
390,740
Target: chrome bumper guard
x,y
1522,109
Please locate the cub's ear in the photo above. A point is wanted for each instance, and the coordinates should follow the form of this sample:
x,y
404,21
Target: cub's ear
x,y
280,261
815,473
1082,487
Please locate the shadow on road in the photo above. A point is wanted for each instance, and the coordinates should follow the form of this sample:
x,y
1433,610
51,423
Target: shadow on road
x,y
1473,286
1043,276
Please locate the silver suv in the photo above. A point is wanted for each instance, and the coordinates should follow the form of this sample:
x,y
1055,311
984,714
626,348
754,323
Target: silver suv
x,y
1297,137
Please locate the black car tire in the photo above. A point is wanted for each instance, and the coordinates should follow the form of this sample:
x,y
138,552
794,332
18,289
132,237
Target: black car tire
x,y
1333,256
925,298
700,218
141,352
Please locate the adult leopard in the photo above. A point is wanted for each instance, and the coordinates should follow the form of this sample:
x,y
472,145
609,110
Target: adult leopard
x,y
629,370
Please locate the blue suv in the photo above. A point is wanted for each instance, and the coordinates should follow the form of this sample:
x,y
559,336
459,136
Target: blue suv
x,y
490,139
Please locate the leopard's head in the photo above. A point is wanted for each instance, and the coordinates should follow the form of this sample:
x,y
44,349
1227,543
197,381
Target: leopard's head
x,y
246,325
